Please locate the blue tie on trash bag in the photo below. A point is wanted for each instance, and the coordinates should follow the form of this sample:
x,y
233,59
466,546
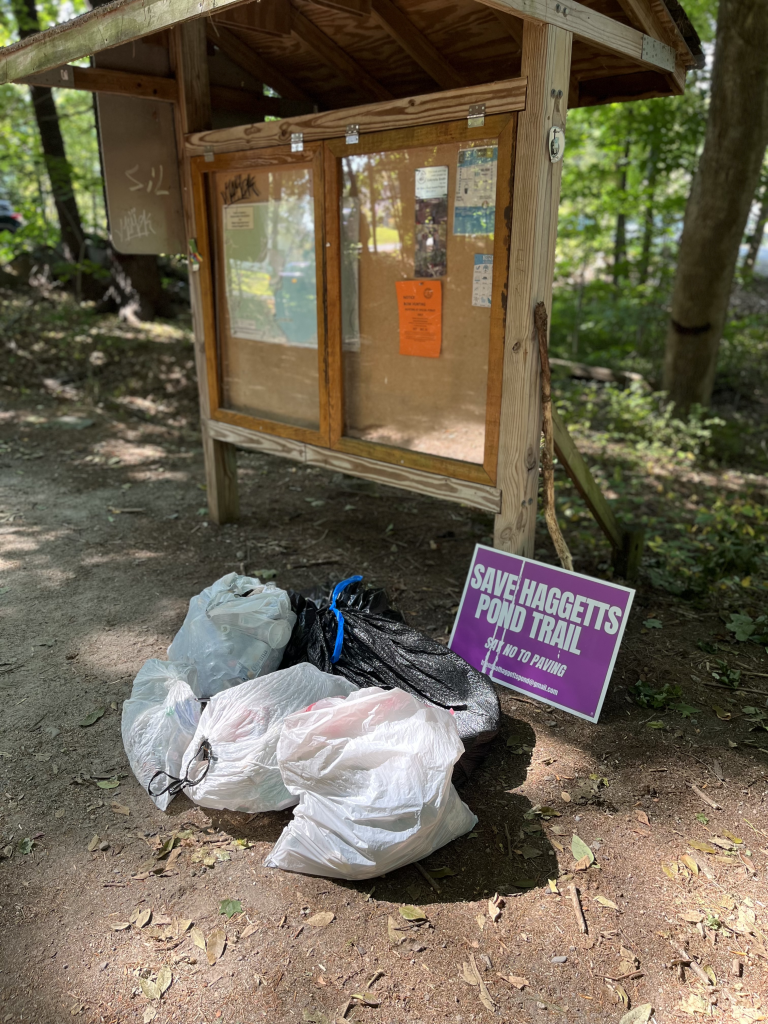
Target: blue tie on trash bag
x,y
339,617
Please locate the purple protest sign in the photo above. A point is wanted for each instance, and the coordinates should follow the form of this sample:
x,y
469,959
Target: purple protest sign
x,y
541,630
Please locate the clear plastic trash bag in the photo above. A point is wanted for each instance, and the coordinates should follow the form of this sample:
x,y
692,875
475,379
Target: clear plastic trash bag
x,y
231,762
235,629
159,720
373,776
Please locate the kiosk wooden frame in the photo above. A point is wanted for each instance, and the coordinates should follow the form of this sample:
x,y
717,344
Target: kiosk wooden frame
x,y
413,69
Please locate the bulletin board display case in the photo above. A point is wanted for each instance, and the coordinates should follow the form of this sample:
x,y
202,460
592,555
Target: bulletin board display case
x,y
349,293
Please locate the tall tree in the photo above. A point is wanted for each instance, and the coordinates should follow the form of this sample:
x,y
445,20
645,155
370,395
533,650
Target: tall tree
x,y
720,200
755,240
57,165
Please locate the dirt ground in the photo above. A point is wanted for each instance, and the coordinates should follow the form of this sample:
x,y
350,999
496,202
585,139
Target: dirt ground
x,y
104,537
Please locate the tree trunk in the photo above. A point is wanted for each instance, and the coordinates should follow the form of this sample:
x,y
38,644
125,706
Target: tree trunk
x,y
58,168
620,238
720,200
756,238
648,225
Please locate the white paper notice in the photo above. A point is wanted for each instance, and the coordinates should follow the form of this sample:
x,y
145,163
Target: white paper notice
x,y
431,182
238,218
482,280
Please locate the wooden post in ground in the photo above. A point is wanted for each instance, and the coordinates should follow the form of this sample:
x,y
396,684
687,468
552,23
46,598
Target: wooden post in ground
x,y
190,59
546,64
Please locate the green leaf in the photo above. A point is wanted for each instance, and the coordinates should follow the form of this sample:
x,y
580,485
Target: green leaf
x,y
230,907
653,624
655,725
164,979
702,818
742,626
579,849
149,988
92,718
412,913
441,872
639,1015
685,710
108,783
25,846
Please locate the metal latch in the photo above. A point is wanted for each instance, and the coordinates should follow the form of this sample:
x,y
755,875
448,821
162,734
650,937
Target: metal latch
x,y
352,134
476,115
556,143
208,151
297,142
64,72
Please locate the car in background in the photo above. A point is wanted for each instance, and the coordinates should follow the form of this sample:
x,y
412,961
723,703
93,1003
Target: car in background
x,y
9,219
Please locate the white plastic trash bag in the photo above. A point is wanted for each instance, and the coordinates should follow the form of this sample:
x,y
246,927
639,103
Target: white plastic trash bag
x,y
373,777
159,719
231,762
235,629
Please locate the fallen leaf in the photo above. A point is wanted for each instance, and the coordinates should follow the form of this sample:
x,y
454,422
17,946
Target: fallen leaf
x,y
231,907
580,850
143,918
120,808
529,852
164,979
93,844
395,935
721,713
621,993
120,926
468,975
149,1014
558,846
690,863
321,920
198,938
692,916
638,1015
695,1003
494,912
710,973
515,980
480,921
655,725
565,797
108,783
731,836
553,886
249,931
605,902
485,997
703,847
642,817
583,864
748,863
652,624
411,913
441,872
92,718
670,869
149,988
215,944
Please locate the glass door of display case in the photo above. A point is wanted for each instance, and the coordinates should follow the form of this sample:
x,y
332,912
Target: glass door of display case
x,y
265,330
418,223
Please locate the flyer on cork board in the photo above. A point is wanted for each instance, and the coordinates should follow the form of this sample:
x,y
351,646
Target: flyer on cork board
x,y
420,312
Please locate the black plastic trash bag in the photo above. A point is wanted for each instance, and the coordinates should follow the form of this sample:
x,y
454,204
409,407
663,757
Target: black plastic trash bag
x,y
352,631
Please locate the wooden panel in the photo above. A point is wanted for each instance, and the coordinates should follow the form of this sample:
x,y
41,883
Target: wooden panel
x,y
270,16
417,45
591,26
460,491
499,97
256,104
189,57
335,56
251,61
119,22
546,63
359,8
121,83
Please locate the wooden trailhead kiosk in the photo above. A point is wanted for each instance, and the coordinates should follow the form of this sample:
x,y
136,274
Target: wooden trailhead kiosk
x,y
367,191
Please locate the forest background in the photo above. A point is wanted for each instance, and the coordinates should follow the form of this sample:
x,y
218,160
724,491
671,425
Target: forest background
x,y
696,483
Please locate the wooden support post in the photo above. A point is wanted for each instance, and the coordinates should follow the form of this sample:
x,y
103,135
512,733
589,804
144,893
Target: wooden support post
x,y
627,544
546,62
190,59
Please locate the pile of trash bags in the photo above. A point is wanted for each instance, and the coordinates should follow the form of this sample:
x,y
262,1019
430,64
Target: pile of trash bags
x,y
327,702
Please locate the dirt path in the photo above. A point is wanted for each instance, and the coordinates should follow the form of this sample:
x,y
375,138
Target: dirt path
x,y
88,591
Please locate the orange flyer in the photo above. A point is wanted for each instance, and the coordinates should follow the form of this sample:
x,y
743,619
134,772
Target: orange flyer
x,y
420,309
